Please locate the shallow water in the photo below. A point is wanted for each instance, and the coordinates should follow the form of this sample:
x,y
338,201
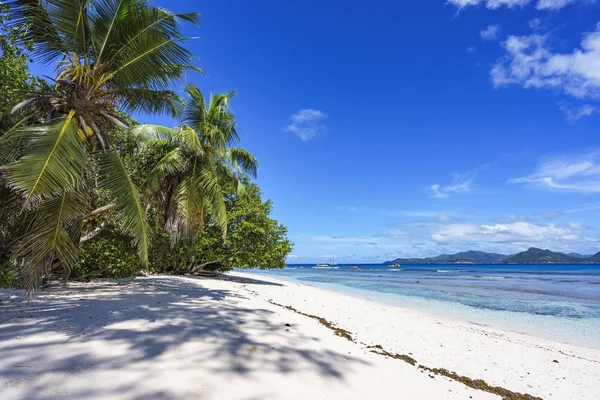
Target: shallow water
x,y
560,302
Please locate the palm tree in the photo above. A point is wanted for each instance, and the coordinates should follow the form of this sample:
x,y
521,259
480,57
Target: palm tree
x,y
199,166
113,57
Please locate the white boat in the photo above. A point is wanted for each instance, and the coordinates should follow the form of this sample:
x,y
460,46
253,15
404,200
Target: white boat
x,y
322,266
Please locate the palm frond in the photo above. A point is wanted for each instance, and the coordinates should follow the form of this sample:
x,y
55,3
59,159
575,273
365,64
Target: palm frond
x,y
55,159
210,186
151,133
189,138
47,241
186,215
105,23
214,124
195,112
221,120
171,164
243,161
12,144
34,19
129,212
152,101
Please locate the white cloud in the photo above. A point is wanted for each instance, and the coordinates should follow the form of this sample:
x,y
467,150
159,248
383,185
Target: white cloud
x,y
574,114
513,218
531,63
418,213
464,3
461,184
580,173
491,32
536,23
495,4
553,4
333,239
307,123
583,208
471,49
523,234
394,235
445,218
551,214
350,208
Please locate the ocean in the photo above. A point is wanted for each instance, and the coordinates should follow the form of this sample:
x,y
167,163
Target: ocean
x,y
559,302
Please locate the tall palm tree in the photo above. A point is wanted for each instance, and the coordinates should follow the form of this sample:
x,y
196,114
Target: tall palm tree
x,y
199,167
112,57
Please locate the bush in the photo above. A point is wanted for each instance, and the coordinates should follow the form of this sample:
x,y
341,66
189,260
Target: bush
x,y
9,275
108,255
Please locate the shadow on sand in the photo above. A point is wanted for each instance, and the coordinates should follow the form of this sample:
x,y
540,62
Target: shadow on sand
x,y
177,315
238,279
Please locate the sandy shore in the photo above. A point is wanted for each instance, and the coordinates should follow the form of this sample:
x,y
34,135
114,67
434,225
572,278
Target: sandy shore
x,y
186,338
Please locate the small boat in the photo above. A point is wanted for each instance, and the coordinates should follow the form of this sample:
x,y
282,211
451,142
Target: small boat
x,y
394,266
322,266
354,267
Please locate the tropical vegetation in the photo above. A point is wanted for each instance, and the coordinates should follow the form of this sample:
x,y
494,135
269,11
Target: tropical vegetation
x,y
83,187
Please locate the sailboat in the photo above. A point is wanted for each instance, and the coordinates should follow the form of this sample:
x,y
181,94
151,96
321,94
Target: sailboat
x,y
331,262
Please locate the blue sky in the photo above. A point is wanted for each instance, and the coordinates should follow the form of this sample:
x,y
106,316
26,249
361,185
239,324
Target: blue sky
x,y
388,128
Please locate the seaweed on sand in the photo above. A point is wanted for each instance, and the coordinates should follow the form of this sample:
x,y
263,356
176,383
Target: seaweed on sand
x,y
478,384
337,331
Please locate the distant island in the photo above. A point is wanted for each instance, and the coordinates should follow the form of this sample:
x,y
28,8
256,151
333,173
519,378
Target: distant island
x,y
532,256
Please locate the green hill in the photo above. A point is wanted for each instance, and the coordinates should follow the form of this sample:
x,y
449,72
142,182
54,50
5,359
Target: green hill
x,y
595,258
539,256
531,256
475,257
577,255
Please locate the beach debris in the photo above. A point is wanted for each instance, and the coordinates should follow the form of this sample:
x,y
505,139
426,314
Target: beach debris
x,y
480,384
15,384
377,349
337,331
257,350
555,361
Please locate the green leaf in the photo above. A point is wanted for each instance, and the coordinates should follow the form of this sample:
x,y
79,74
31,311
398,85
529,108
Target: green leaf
x,y
171,164
47,240
129,212
243,161
55,159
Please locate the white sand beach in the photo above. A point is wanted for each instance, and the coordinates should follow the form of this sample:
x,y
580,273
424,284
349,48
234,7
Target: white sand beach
x,y
188,338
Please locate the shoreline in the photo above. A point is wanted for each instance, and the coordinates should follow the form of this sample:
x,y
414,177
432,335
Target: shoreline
x,y
183,337
556,328
518,361
382,299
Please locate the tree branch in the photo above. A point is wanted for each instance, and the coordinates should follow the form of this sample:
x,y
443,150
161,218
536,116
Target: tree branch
x,y
100,210
93,233
196,268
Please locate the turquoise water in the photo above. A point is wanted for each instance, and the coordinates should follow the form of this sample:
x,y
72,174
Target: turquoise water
x,y
560,302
